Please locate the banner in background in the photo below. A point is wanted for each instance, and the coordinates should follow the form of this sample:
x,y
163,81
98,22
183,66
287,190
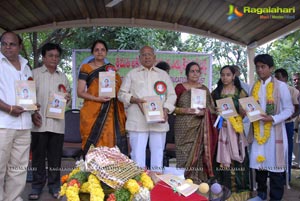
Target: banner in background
x,y
125,60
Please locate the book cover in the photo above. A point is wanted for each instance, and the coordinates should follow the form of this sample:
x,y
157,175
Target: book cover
x,y
252,108
153,109
227,108
56,106
26,94
182,186
107,84
198,98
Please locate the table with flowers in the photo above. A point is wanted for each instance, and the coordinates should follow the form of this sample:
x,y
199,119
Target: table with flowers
x,y
107,174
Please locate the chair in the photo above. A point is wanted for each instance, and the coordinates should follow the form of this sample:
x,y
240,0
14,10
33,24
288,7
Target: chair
x,y
72,138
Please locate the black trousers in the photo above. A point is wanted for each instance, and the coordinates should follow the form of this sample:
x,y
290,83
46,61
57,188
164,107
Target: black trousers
x,y
46,145
276,184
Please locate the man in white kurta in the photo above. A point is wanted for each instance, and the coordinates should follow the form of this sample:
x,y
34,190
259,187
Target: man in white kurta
x,y
147,80
269,167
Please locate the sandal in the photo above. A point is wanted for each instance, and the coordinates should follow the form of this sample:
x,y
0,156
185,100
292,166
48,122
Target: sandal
x,y
54,193
33,196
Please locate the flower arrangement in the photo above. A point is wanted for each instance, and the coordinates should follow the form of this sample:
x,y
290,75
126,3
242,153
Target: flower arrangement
x,y
237,123
269,109
80,181
136,189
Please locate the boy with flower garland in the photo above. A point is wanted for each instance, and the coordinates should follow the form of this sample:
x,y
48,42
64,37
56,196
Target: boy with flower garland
x,y
268,154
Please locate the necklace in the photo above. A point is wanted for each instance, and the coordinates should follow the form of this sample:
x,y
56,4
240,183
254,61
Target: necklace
x,y
192,85
228,90
97,65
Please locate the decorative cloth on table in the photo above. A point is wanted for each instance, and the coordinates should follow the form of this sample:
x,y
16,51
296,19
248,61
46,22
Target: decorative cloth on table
x,y
111,166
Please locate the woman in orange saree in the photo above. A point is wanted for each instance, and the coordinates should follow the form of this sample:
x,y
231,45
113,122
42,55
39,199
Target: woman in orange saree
x,y
102,119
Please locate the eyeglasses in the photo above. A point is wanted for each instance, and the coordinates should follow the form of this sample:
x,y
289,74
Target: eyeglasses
x,y
4,44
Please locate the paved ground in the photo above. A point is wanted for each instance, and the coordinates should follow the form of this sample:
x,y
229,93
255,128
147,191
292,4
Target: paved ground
x,y
292,194
67,166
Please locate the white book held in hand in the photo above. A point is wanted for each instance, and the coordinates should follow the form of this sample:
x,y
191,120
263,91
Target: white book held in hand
x,y
227,107
153,109
26,94
198,98
252,108
107,86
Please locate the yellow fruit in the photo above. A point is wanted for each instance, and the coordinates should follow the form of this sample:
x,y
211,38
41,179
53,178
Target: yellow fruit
x,y
203,188
189,181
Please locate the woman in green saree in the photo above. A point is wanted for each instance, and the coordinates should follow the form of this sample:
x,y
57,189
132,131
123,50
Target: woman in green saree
x,y
195,137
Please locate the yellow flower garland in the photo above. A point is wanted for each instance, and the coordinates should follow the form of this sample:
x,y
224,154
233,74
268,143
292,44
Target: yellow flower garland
x,y
72,193
147,181
237,123
267,125
132,186
95,189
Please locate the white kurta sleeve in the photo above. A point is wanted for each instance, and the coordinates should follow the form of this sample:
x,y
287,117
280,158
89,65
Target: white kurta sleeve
x,y
287,107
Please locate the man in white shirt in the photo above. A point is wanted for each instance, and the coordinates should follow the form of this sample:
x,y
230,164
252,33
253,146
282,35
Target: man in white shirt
x,y
147,80
15,122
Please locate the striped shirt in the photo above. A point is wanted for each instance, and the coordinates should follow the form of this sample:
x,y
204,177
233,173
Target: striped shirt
x,y
46,84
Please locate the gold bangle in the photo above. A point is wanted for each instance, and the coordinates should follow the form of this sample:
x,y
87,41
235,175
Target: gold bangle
x,y
177,110
11,109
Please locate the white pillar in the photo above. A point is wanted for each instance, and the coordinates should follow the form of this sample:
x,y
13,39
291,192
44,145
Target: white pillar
x,y
250,64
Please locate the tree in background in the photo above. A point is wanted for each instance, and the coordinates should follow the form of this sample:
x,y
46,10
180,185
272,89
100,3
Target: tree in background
x,y
285,50
83,38
224,53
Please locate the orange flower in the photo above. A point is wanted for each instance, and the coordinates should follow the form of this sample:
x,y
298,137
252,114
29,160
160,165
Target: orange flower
x,y
73,182
64,178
